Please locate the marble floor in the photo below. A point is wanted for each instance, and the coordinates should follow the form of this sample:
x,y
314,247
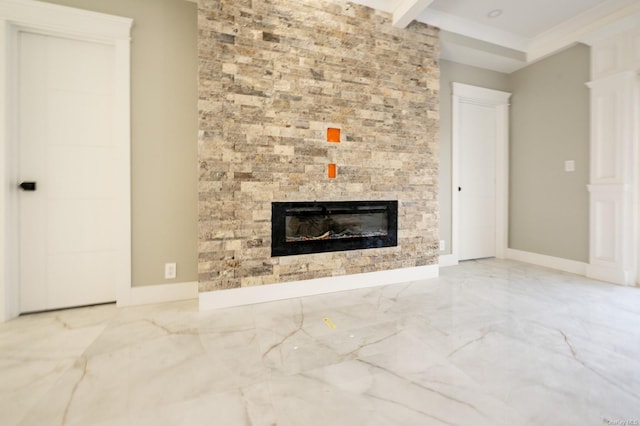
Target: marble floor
x,y
489,342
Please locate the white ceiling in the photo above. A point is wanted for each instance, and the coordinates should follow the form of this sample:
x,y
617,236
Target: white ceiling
x,y
526,30
525,18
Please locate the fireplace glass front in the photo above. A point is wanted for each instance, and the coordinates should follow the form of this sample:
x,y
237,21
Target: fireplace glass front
x,y
314,227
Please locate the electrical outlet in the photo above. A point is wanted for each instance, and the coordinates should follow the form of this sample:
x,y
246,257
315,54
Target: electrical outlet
x,y
570,166
170,271
441,245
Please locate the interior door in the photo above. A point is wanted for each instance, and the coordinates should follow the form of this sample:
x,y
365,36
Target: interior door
x,y
477,184
66,163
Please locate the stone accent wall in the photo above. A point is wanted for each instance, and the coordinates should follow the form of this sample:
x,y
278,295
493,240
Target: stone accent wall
x,y
274,74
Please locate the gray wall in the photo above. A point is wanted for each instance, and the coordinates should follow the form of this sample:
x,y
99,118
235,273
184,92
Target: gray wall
x,y
453,72
163,134
548,207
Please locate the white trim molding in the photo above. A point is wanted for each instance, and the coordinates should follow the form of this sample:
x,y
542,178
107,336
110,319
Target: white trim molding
x,y
49,19
464,93
54,19
272,292
566,265
584,27
612,242
160,293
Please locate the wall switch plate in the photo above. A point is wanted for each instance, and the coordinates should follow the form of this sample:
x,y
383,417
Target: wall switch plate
x,y
170,271
441,245
570,166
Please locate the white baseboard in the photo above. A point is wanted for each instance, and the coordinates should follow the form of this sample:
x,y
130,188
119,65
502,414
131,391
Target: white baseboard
x,y
160,293
611,275
448,260
566,265
272,292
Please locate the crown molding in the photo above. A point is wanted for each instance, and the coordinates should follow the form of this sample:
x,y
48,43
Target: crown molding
x,y
588,27
611,16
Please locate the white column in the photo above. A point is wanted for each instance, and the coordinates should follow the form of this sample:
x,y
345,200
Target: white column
x,y
613,188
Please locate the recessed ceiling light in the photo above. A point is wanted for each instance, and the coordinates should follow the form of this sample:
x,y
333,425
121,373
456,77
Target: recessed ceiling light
x,y
494,13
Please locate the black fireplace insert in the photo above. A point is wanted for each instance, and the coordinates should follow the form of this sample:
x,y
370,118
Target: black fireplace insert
x,y
316,227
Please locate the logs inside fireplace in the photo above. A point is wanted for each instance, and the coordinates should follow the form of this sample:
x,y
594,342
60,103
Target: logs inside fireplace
x,y
316,227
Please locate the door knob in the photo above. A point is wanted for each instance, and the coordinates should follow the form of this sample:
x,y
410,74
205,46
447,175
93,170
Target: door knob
x,y
28,186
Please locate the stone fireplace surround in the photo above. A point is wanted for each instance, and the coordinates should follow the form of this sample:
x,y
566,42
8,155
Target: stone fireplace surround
x,y
274,75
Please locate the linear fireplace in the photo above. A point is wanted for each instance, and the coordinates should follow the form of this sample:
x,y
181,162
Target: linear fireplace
x,y
315,227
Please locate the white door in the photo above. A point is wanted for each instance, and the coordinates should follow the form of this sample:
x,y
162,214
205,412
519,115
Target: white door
x,y
477,181
66,145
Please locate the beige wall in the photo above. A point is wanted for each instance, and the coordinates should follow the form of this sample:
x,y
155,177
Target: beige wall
x,y
163,135
451,72
549,212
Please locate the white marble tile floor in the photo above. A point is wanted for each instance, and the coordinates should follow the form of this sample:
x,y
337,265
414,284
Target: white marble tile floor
x,y
489,342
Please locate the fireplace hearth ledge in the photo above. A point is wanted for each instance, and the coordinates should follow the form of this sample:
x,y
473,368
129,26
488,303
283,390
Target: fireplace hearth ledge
x,y
280,291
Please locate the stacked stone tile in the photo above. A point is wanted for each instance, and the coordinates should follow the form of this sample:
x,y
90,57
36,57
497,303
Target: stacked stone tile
x,y
274,74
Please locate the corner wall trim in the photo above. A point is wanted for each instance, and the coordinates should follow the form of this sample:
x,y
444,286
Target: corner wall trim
x,y
272,292
160,293
611,275
566,265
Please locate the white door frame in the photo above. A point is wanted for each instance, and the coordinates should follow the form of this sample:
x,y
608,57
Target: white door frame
x,y
54,20
464,93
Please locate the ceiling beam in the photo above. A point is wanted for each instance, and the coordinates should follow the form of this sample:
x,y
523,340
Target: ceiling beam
x,y
407,11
